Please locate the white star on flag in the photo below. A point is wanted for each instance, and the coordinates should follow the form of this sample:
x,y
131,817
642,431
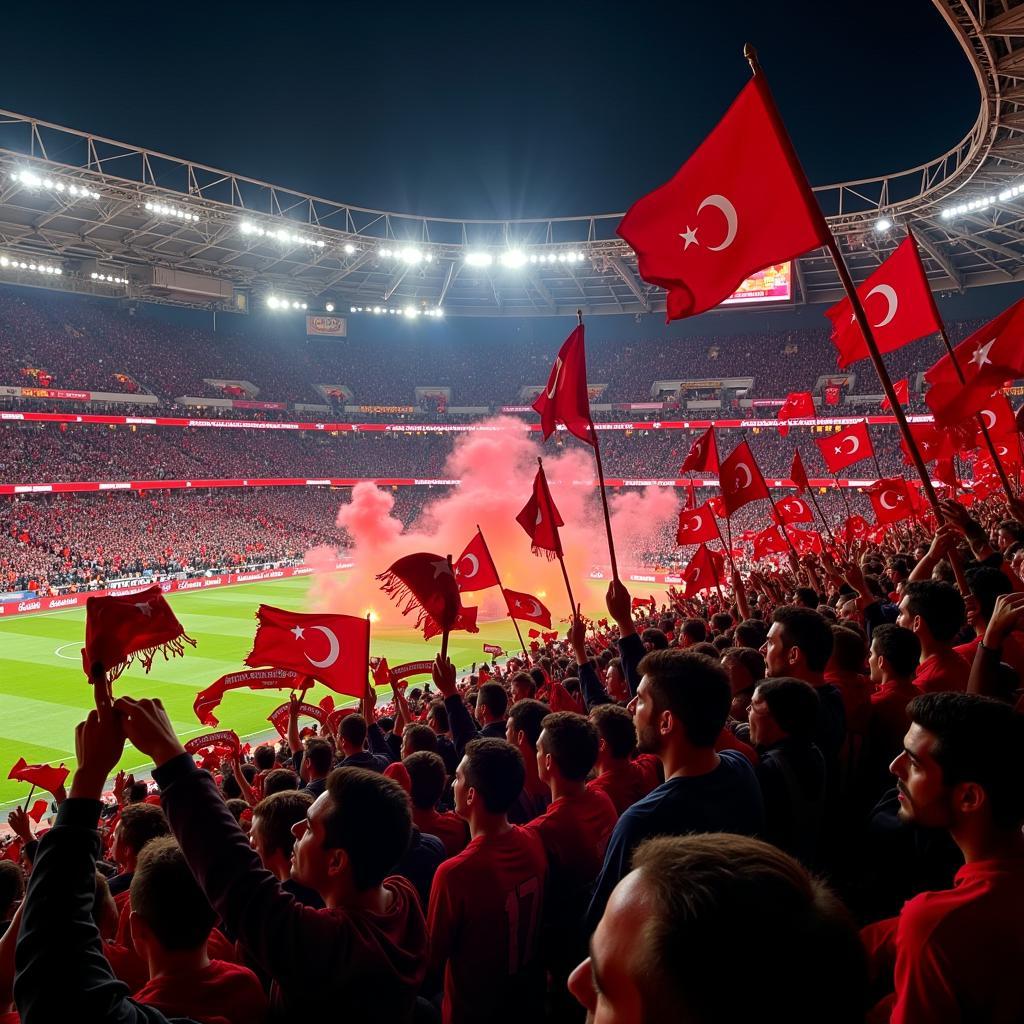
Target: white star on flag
x,y
689,236
441,567
144,607
981,354
298,631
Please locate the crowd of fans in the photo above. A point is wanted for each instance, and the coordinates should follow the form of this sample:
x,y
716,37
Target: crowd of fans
x,y
826,756
91,344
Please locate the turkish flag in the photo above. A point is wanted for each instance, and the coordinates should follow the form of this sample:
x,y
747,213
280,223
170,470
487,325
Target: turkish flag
x,y
564,398
704,572
739,204
424,583
793,510
989,358
798,474
945,472
855,528
119,629
474,569
805,541
540,519
846,447
44,776
891,500
932,442
717,505
38,810
697,525
703,455
769,542
740,479
465,619
525,606
333,649
999,419
898,304
902,389
799,405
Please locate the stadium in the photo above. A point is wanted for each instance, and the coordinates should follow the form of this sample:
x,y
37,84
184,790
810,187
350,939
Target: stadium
x,y
250,395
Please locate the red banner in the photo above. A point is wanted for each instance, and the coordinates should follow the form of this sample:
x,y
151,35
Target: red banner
x,y
226,740
278,718
69,396
412,668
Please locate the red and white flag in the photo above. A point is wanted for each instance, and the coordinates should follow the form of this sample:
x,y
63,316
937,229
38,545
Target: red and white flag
x,y
474,569
333,649
769,542
527,607
891,500
799,405
705,571
703,455
991,356
845,447
805,541
999,419
898,304
740,479
932,442
425,583
792,509
564,398
540,519
739,204
697,525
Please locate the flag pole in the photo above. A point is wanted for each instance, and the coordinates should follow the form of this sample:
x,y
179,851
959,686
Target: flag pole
x,y
874,454
28,799
600,480
561,557
522,642
447,628
865,329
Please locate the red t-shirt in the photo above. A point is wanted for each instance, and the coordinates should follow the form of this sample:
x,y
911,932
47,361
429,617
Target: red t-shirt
x,y
484,926
575,833
219,990
955,955
650,765
1012,652
623,784
943,672
449,828
855,689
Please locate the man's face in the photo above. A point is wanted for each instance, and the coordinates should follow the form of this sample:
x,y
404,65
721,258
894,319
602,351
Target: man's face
x,y
118,851
645,719
461,790
923,795
608,983
905,619
763,728
542,758
257,840
520,691
875,665
1004,540
775,652
311,860
615,683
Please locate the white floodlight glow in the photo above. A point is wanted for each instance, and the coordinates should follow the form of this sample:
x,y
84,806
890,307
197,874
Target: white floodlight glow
x,y
4,261
385,252
349,248
376,309
272,301
479,259
562,257
329,307
883,224
410,255
352,309
513,258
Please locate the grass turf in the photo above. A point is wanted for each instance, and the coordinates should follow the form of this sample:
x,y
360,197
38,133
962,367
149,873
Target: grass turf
x,y
44,694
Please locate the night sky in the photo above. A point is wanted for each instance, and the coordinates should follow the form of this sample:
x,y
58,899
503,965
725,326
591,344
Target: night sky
x,y
476,110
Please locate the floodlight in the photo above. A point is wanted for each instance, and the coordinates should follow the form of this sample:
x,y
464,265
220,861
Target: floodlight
x,y
479,259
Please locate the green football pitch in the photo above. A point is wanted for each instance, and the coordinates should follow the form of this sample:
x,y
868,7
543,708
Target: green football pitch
x,y
44,694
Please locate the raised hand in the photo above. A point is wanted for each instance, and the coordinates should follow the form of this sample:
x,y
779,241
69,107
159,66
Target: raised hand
x,y
21,824
147,726
443,674
99,743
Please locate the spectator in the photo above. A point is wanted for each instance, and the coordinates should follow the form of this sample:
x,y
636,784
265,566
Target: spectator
x,y
934,611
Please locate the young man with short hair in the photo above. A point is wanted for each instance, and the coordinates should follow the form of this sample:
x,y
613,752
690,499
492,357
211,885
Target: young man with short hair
x,y
665,947
317,759
486,902
679,711
352,731
427,779
271,836
618,775
171,923
522,730
955,955
136,826
934,611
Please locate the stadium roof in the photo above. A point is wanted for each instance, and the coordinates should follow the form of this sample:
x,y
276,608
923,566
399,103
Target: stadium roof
x,y
129,222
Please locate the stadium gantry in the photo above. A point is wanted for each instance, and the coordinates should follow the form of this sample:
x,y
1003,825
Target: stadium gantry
x,y
84,213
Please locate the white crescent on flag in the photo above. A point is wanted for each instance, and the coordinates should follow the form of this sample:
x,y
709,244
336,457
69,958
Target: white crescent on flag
x,y
884,503
731,219
333,652
474,562
745,470
892,300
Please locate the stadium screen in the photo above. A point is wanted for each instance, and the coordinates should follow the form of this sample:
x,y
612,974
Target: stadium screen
x,y
773,284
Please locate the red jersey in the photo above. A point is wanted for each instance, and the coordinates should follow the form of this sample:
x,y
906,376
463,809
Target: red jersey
x,y
943,672
651,767
219,991
955,955
623,784
484,925
1012,652
449,828
575,833
855,689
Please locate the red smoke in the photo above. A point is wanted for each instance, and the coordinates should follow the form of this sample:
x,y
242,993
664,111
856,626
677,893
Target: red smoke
x,y
496,466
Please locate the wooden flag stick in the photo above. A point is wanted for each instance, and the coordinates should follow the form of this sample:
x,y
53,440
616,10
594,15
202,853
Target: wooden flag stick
x,y
447,629
522,642
601,485
824,521
568,587
28,799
